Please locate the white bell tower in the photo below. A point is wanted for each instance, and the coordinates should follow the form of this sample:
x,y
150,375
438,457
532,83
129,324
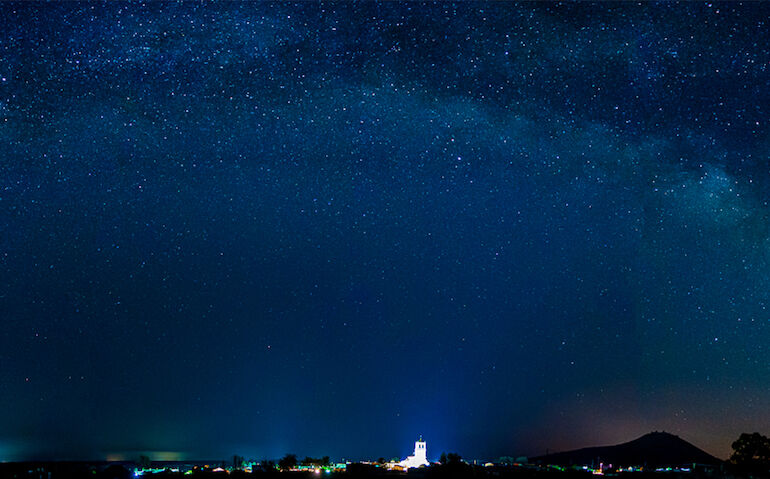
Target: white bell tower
x,y
419,458
420,452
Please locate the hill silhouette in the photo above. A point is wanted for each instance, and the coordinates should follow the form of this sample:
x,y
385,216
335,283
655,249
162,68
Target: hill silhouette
x,y
656,449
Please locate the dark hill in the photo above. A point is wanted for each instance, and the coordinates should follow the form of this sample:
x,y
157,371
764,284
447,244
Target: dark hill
x,y
656,449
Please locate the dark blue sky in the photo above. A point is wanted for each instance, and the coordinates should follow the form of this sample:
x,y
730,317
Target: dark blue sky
x,y
329,228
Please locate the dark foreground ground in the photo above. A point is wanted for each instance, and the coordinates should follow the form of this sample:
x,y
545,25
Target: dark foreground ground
x,y
77,470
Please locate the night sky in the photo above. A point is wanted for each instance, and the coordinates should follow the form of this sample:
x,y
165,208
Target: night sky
x,y
329,228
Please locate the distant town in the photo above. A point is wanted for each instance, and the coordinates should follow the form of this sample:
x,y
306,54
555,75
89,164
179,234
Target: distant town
x,y
652,454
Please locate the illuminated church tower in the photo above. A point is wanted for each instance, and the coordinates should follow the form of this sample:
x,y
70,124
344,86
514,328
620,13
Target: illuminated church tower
x,y
419,458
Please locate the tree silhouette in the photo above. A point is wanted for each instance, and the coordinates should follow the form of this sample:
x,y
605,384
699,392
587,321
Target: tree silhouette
x,y
453,467
311,461
115,471
751,450
288,461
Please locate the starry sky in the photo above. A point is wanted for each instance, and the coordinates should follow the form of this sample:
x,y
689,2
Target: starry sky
x,y
326,229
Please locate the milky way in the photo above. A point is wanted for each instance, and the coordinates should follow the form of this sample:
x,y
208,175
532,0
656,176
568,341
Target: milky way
x,y
330,228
